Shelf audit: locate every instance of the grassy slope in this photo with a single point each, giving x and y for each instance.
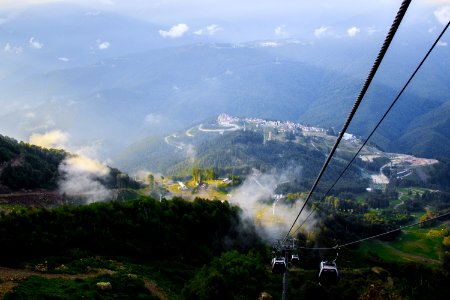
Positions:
(421, 245)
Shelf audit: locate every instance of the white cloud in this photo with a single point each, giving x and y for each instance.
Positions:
(52, 139)
(432, 29)
(103, 45)
(35, 44)
(281, 30)
(12, 49)
(209, 30)
(442, 44)
(442, 14)
(80, 173)
(80, 178)
(83, 164)
(175, 32)
(319, 32)
(352, 31)
(252, 196)
(64, 59)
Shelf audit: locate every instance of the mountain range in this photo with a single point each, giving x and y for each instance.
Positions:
(121, 95)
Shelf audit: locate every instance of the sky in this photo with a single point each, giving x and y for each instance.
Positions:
(280, 18)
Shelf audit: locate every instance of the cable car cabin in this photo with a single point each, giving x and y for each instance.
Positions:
(295, 259)
(278, 265)
(328, 272)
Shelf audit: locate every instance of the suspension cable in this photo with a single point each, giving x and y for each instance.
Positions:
(379, 123)
(395, 25)
(376, 235)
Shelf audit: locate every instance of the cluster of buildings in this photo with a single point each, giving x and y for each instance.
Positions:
(225, 120)
(283, 126)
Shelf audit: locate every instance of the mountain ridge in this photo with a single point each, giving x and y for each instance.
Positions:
(164, 90)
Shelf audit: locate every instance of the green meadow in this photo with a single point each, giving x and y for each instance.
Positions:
(421, 245)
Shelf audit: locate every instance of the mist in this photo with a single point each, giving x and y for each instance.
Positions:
(80, 171)
(259, 203)
(80, 179)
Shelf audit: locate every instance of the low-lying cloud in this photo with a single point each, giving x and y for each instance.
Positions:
(53, 139)
(256, 196)
(80, 179)
(80, 174)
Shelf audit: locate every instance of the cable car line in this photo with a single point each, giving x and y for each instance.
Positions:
(379, 122)
(389, 37)
(376, 235)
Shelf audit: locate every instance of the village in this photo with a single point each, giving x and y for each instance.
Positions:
(283, 126)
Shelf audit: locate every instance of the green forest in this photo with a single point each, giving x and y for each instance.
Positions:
(202, 250)
(138, 247)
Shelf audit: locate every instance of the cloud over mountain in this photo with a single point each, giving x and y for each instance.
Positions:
(175, 31)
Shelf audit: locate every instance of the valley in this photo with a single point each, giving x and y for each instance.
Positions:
(254, 174)
(185, 150)
(187, 145)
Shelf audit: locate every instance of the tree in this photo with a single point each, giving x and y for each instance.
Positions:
(197, 174)
(446, 242)
(209, 174)
(428, 215)
(151, 182)
(122, 180)
(231, 276)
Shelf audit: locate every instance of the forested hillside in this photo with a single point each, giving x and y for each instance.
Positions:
(428, 135)
(163, 90)
(24, 166)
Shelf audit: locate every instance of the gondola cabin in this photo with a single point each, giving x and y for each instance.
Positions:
(295, 259)
(328, 272)
(278, 265)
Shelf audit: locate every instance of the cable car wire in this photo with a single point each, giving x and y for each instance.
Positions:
(379, 122)
(376, 235)
(389, 37)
